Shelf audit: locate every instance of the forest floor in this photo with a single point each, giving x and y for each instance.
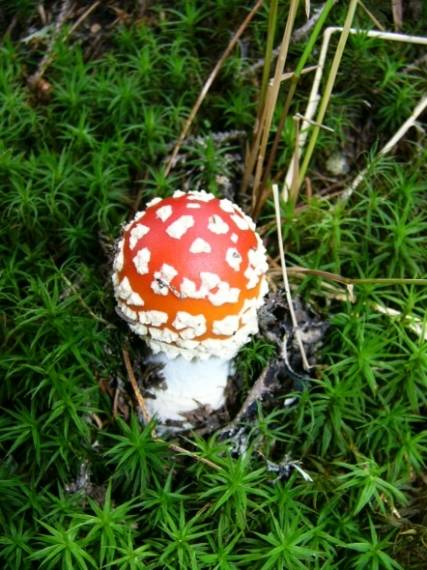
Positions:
(93, 98)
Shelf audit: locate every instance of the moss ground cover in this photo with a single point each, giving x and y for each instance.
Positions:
(83, 483)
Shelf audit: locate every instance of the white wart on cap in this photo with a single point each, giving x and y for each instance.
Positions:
(189, 275)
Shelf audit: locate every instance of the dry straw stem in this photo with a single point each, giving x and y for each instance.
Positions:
(262, 192)
(49, 56)
(298, 35)
(417, 325)
(285, 278)
(271, 100)
(139, 397)
(314, 97)
(147, 418)
(207, 85)
(410, 122)
(328, 90)
(250, 156)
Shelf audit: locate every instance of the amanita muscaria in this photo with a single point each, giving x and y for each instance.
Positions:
(189, 276)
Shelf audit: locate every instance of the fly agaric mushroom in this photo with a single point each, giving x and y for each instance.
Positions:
(189, 276)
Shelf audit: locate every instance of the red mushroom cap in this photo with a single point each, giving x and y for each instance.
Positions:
(189, 275)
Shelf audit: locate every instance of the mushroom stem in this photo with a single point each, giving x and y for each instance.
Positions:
(189, 385)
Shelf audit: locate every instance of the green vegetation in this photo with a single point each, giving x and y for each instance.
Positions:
(83, 483)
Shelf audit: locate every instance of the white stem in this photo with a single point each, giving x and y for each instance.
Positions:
(188, 386)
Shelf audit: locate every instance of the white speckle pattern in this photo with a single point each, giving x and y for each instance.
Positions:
(124, 290)
(227, 206)
(127, 311)
(155, 318)
(141, 261)
(167, 273)
(212, 288)
(209, 280)
(138, 329)
(240, 222)
(199, 245)
(180, 226)
(226, 326)
(164, 213)
(161, 283)
(119, 259)
(188, 289)
(257, 265)
(252, 277)
(250, 222)
(137, 233)
(201, 195)
(217, 225)
(153, 202)
(224, 294)
(178, 194)
(159, 287)
(191, 326)
(233, 258)
(248, 312)
(155, 326)
(163, 335)
(135, 299)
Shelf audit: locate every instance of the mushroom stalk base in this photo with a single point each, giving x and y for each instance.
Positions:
(188, 385)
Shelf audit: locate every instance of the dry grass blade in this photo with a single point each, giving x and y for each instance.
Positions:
(305, 363)
(397, 11)
(137, 392)
(208, 83)
(410, 122)
(314, 97)
(271, 100)
(264, 190)
(35, 79)
(328, 89)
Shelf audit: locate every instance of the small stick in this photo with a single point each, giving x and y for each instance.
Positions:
(208, 84)
(147, 418)
(47, 59)
(83, 17)
(314, 97)
(410, 122)
(297, 35)
(305, 363)
(371, 16)
(83, 302)
(271, 100)
(296, 270)
(291, 74)
(139, 397)
(49, 55)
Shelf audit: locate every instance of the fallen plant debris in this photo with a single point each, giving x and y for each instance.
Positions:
(318, 464)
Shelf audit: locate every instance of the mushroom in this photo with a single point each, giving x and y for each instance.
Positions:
(189, 276)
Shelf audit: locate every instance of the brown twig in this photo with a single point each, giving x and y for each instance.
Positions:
(47, 59)
(297, 35)
(208, 84)
(132, 379)
(294, 319)
(296, 270)
(82, 18)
